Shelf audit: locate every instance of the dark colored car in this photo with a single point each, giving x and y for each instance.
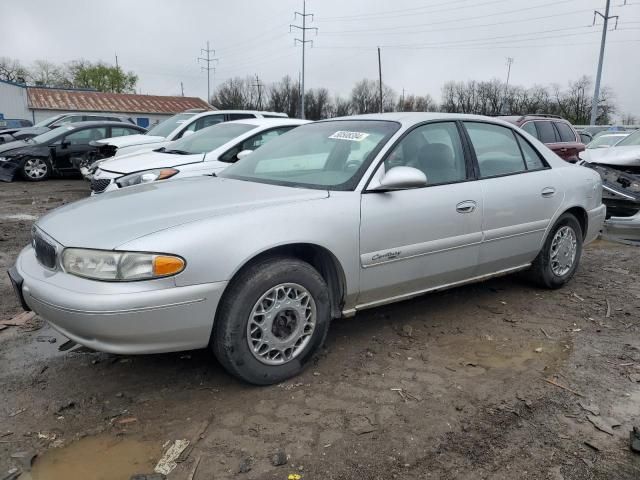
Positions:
(21, 133)
(554, 131)
(56, 151)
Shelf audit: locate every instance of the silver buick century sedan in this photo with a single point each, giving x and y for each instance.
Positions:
(326, 220)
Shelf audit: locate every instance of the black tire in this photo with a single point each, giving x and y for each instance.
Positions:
(229, 337)
(541, 271)
(29, 175)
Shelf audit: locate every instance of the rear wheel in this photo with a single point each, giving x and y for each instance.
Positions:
(273, 318)
(558, 260)
(36, 169)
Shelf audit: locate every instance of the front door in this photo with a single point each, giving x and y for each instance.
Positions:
(76, 145)
(418, 239)
(520, 193)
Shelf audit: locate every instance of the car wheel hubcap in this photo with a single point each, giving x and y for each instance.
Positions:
(563, 251)
(281, 324)
(35, 168)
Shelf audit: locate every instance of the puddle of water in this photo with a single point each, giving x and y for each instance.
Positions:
(102, 457)
(498, 354)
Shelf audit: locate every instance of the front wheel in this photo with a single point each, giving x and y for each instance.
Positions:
(273, 318)
(558, 260)
(36, 169)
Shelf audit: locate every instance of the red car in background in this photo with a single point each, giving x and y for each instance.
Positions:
(554, 131)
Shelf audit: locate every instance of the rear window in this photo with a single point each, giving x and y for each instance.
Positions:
(546, 132)
(566, 133)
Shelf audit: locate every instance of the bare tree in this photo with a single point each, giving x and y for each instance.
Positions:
(629, 119)
(43, 72)
(284, 96)
(12, 70)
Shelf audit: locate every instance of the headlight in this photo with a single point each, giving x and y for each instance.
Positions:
(110, 265)
(147, 176)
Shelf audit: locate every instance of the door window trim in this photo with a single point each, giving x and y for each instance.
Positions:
(469, 168)
(517, 136)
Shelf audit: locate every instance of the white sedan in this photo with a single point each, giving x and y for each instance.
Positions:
(203, 153)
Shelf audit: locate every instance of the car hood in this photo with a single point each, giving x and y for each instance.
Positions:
(138, 161)
(625, 156)
(128, 140)
(112, 219)
(8, 147)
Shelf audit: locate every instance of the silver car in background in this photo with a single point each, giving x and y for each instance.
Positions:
(332, 218)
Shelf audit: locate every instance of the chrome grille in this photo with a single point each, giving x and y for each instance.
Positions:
(45, 252)
(98, 185)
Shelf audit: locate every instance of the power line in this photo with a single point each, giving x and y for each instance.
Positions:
(208, 51)
(303, 42)
(405, 31)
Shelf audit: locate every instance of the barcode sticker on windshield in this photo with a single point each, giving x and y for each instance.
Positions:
(352, 136)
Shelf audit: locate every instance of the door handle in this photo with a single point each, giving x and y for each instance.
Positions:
(467, 206)
(548, 192)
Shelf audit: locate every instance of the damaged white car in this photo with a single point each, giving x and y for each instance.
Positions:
(619, 168)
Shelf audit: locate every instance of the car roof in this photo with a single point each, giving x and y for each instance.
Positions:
(269, 122)
(260, 112)
(102, 123)
(411, 118)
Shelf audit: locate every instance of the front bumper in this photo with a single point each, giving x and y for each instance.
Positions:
(626, 229)
(595, 220)
(125, 318)
(8, 170)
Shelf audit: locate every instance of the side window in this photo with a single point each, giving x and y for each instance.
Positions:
(240, 116)
(122, 131)
(530, 128)
(253, 143)
(496, 149)
(546, 132)
(90, 118)
(566, 133)
(532, 158)
(190, 128)
(209, 120)
(83, 137)
(258, 140)
(436, 149)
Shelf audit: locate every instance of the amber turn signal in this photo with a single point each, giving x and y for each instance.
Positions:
(164, 265)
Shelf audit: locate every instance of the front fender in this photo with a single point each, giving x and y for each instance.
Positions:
(216, 248)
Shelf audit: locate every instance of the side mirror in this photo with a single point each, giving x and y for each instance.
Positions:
(187, 133)
(400, 178)
(244, 153)
(65, 144)
(585, 137)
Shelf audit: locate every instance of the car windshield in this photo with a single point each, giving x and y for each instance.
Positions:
(631, 140)
(329, 155)
(163, 129)
(208, 139)
(47, 121)
(604, 141)
(51, 134)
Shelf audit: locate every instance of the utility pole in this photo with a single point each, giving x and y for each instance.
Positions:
(208, 60)
(259, 86)
(182, 88)
(380, 78)
(506, 86)
(303, 42)
(402, 100)
(596, 94)
(117, 61)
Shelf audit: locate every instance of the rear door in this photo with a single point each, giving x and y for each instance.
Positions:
(570, 144)
(520, 196)
(549, 135)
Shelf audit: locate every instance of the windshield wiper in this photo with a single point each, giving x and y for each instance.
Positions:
(177, 152)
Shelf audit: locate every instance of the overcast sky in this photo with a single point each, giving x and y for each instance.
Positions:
(424, 42)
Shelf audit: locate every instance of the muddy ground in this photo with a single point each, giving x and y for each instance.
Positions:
(494, 380)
